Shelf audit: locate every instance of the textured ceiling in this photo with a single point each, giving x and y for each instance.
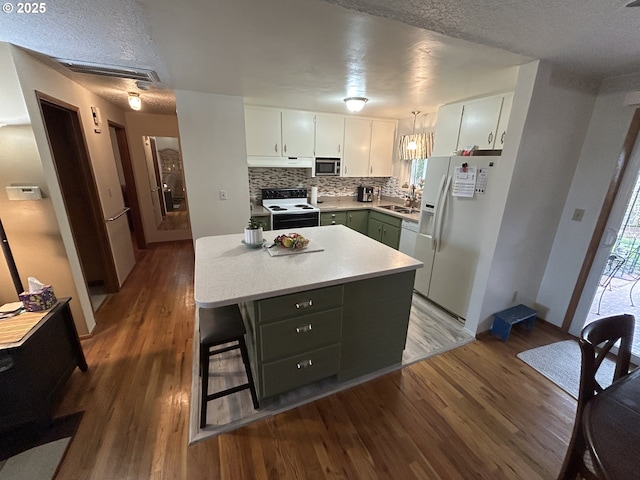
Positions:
(600, 38)
(312, 53)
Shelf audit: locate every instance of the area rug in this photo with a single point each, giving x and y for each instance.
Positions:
(29, 453)
(560, 363)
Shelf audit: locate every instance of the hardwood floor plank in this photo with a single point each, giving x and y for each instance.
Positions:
(476, 412)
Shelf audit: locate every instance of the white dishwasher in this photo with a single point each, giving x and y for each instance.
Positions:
(408, 234)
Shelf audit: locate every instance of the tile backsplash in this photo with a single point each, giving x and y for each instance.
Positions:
(260, 178)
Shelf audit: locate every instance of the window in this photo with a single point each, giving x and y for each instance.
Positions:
(416, 173)
(417, 156)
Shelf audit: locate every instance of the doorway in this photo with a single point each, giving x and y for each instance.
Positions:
(166, 175)
(607, 282)
(618, 290)
(127, 182)
(80, 195)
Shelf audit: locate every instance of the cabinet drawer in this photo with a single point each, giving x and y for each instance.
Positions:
(333, 218)
(302, 303)
(300, 370)
(382, 217)
(300, 334)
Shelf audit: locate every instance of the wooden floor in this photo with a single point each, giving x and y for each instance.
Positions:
(474, 412)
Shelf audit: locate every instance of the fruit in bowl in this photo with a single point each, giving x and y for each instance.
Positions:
(293, 241)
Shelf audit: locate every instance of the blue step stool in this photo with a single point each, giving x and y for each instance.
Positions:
(504, 320)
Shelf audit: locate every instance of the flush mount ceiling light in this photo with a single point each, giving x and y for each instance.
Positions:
(355, 104)
(135, 102)
(412, 145)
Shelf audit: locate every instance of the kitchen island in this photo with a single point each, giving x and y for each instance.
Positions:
(343, 310)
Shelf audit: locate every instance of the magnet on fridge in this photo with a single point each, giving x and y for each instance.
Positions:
(464, 167)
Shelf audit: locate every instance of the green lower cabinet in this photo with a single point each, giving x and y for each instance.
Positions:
(300, 370)
(391, 236)
(346, 331)
(385, 229)
(294, 339)
(355, 219)
(358, 220)
(375, 322)
(333, 218)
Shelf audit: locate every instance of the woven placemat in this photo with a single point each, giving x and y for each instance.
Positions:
(14, 329)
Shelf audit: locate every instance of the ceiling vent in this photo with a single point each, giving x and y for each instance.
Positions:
(110, 70)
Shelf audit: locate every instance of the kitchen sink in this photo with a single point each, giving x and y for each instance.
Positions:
(399, 208)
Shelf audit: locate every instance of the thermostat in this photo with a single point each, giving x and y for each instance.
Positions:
(24, 193)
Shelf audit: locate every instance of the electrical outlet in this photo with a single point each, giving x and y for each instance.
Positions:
(223, 194)
(578, 214)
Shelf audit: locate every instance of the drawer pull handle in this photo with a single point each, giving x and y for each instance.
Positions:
(305, 364)
(303, 329)
(306, 304)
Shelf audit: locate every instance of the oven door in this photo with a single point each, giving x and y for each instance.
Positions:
(295, 220)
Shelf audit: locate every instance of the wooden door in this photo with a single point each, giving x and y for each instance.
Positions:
(80, 195)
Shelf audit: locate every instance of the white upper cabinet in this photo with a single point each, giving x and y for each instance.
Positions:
(262, 130)
(504, 122)
(357, 145)
(276, 133)
(368, 147)
(445, 137)
(298, 132)
(329, 135)
(480, 123)
(291, 138)
(383, 135)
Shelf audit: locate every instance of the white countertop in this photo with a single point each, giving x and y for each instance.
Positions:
(333, 204)
(228, 272)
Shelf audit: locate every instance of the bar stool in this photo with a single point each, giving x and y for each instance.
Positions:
(217, 327)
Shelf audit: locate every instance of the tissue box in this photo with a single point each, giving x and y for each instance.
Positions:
(38, 300)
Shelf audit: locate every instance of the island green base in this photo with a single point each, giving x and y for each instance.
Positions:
(376, 318)
(347, 330)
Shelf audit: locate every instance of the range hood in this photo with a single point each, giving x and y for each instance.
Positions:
(279, 162)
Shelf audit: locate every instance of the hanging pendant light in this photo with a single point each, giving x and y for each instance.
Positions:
(412, 144)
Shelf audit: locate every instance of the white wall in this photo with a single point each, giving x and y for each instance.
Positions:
(548, 123)
(215, 158)
(35, 76)
(608, 127)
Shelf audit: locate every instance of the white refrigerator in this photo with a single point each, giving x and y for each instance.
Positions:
(451, 227)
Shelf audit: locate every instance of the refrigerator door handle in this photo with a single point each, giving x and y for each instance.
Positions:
(442, 206)
(434, 236)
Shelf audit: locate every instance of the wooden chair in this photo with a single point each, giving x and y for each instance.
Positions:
(219, 326)
(578, 462)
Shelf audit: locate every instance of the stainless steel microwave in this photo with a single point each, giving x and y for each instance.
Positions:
(327, 167)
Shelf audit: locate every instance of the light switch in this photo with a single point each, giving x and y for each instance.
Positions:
(578, 213)
(223, 194)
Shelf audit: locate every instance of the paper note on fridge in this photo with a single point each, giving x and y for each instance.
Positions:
(464, 182)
